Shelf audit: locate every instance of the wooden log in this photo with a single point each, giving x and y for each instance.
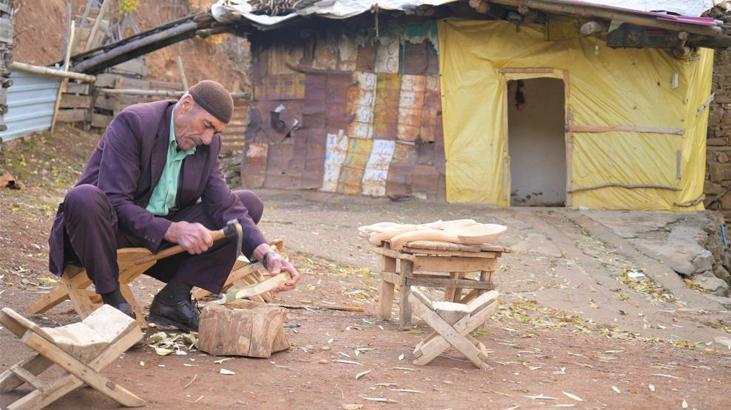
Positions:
(52, 72)
(242, 328)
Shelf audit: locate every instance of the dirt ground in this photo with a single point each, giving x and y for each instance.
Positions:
(570, 330)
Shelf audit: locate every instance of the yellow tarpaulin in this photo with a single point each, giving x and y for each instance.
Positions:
(638, 116)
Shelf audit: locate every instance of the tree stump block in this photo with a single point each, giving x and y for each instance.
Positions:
(242, 328)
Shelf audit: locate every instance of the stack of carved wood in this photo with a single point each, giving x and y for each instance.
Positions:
(460, 231)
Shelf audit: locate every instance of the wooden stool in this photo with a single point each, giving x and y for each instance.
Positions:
(435, 265)
(82, 349)
(452, 324)
(75, 286)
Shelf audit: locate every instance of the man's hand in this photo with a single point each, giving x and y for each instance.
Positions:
(275, 264)
(193, 237)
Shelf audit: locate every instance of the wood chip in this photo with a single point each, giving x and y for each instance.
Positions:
(669, 376)
(379, 399)
(572, 396)
(685, 404)
(406, 369)
(401, 357)
(363, 373)
(407, 390)
(221, 360)
(540, 397)
(347, 362)
(616, 389)
(352, 406)
(195, 376)
(226, 372)
(651, 387)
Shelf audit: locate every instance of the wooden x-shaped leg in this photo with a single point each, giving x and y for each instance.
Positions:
(80, 373)
(456, 334)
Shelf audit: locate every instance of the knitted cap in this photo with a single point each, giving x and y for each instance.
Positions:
(214, 98)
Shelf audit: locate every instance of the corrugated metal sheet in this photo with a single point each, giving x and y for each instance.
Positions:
(376, 170)
(361, 101)
(353, 168)
(411, 105)
(30, 104)
(336, 150)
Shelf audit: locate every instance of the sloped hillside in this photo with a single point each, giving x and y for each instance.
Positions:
(40, 29)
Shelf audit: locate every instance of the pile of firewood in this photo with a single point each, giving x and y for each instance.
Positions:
(279, 7)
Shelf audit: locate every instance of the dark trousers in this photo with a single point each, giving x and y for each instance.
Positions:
(92, 237)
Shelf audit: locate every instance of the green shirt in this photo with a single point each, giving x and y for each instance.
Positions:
(163, 196)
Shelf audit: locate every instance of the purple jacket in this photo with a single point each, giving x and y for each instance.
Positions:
(127, 164)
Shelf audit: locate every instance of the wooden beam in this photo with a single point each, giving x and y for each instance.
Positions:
(626, 186)
(626, 128)
(52, 72)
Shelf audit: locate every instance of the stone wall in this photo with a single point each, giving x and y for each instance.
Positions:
(718, 175)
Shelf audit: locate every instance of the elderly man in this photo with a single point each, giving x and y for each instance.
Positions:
(154, 181)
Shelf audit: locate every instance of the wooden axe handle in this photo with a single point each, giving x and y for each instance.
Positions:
(174, 250)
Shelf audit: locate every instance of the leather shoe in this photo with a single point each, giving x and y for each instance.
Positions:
(181, 314)
(126, 309)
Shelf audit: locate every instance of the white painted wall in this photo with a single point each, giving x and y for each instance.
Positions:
(536, 143)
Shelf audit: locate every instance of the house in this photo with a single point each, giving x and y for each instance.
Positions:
(504, 102)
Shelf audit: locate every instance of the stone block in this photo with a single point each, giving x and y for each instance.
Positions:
(711, 284)
(703, 261)
(720, 172)
(710, 188)
(717, 141)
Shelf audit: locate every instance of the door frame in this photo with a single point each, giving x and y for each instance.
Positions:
(527, 73)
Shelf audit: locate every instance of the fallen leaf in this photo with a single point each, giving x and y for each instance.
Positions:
(226, 372)
(352, 406)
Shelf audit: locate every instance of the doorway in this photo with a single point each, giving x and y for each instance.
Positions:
(536, 143)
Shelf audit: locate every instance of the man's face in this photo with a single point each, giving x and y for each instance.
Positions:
(193, 125)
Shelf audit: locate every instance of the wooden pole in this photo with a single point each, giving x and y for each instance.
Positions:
(103, 9)
(582, 10)
(50, 71)
(182, 73)
(157, 93)
(65, 81)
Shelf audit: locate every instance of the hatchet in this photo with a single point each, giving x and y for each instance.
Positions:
(230, 231)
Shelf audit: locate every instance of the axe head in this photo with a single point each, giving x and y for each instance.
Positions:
(233, 230)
